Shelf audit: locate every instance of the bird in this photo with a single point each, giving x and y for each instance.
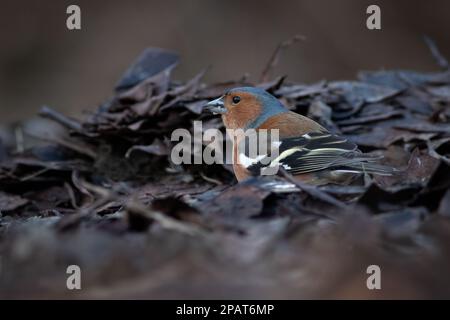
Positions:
(305, 149)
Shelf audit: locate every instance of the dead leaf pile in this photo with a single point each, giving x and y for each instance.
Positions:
(107, 197)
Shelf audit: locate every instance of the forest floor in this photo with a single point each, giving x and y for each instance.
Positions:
(105, 196)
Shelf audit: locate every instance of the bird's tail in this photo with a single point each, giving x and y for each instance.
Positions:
(366, 163)
(373, 168)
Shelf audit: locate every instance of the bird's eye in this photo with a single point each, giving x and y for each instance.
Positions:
(236, 99)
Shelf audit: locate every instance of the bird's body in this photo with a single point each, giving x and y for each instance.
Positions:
(287, 124)
(304, 148)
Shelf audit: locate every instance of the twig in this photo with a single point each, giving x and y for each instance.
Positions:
(164, 220)
(211, 180)
(136, 207)
(80, 148)
(34, 174)
(312, 191)
(69, 221)
(72, 195)
(106, 196)
(78, 183)
(440, 60)
(273, 61)
(49, 113)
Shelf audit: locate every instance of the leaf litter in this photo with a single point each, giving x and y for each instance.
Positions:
(107, 197)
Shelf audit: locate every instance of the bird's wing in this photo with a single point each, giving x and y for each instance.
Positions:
(311, 152)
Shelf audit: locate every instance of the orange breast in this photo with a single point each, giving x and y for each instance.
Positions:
(239, 170)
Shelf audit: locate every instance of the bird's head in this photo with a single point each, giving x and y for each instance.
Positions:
(245, 107)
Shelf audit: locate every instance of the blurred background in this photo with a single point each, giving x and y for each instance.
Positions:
(43, 63)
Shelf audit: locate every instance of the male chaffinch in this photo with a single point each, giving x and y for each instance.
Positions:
(305, 148)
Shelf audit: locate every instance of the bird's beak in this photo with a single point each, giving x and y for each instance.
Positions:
(216, 106)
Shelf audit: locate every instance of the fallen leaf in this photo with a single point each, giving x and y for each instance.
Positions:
(10, 202)
(151, 62)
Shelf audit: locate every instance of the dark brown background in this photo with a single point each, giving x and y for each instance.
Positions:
(41, 62)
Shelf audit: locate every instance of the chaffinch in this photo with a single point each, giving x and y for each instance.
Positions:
(305, 149)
